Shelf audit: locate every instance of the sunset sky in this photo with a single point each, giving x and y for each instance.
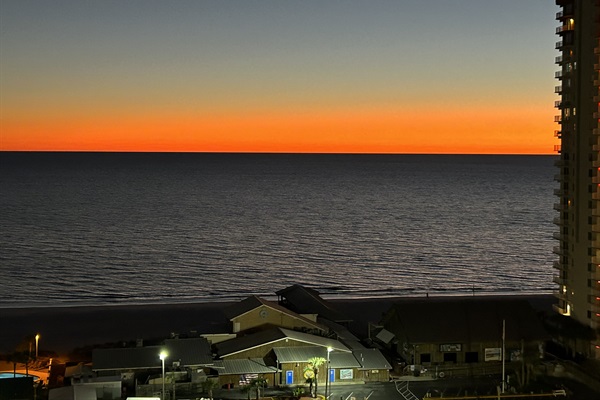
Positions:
(370, 76)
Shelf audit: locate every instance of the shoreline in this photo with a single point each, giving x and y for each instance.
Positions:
(66, 328)
(327, 296)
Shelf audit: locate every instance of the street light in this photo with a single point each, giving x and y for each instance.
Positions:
(37, 339)
(163, 355)
(329, 350)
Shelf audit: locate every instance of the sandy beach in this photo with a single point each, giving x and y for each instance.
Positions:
(63, 329)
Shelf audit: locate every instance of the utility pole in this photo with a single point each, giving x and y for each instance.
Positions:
(503, 354)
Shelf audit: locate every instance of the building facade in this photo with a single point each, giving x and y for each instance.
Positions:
(578, 251)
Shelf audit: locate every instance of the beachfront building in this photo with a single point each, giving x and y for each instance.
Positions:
(464, 336)
(256, 313)
(288, 352)
(578, 250)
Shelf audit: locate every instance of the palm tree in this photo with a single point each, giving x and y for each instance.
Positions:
(208, 385)
(258, 383)
(314, 363)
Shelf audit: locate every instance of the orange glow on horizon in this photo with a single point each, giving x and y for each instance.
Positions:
(468, 130)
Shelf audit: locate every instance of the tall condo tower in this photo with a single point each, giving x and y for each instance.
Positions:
(578, 264)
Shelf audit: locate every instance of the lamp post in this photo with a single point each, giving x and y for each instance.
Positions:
(37, 339)
(163, 355)
(329, 350)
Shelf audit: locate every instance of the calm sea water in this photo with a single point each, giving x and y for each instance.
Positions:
(139, 228)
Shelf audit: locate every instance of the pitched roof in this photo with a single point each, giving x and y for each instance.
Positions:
(472, 319)
(337, 359)
(308, 301)
(243, 366)
(253, 302)
(371, 359)
(273, 336)
(188, 352)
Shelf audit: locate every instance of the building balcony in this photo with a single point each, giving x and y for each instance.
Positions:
(558, 59)
(559, 192)
(559, 15)
(559, 236)
(557, 265)
(595, 227)
(559, 44)
(560, 207)
(558, 74)
(558, 280)
(596, 179)
(558, 104)
(564, 28)
(557, 118)
(596, 195)
(556, 221)
(557, 177)
(557, 149)
(596, 131)
(559, 310)
(559, 89)
(595, 260)
(558, 250)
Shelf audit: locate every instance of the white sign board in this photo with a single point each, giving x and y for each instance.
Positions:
(493, 354)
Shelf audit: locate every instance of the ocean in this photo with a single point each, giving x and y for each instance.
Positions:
(141, 228)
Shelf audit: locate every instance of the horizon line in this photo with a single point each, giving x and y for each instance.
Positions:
(271, 152)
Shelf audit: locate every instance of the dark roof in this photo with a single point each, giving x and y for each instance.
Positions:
(474, 319)
(254, 302)
(308, 301)
(188, 352)
(273, 336)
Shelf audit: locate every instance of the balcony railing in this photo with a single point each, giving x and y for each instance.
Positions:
(564, 28)
(558, 89)
(557, 118)
(557, 265)
(559, 15)
(559, 44)
(559, 207)
(558, 59)
(558, 280)
(558, 250)
(557, 149)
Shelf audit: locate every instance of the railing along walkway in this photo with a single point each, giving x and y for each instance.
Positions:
(402, 388)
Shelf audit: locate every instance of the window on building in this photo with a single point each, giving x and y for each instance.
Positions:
(450, 357)
(425, 358)
(471, 357)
